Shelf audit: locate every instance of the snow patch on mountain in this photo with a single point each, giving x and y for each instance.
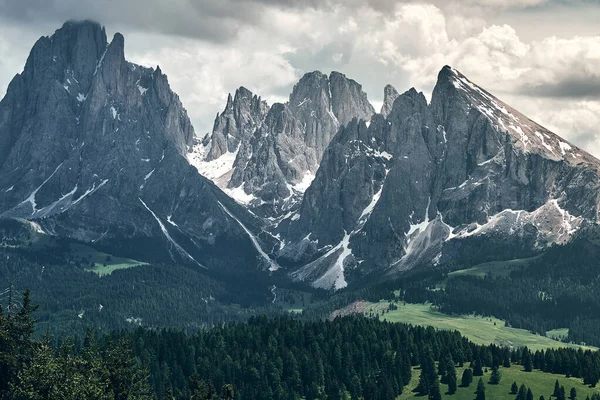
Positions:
(527, 134)
(304, 183)
(336, 272)
(217, 170)
(165, 232)
(31, 198)
(554, 224)
(272, 264)
(239, 195)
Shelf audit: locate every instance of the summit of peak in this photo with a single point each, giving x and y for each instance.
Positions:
(80, 24)
(390, 94)
(526, 134)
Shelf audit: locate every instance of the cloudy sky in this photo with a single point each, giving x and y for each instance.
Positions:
(540, 56)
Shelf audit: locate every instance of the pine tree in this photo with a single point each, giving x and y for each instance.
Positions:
(527, 363)
(477, 367)
(442, 366)
(404, 367)
(434, 392)
(496, 376)
(522, 395)
(127, 380)
(428, 373)
(37, 379)
(562, 395)
(480, 390)
(227, 392)
(451, 377)
(556, 389)
(467, 378)
(514, 388)
(16, 347)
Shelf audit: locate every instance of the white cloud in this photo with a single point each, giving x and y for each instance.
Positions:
(555, 80)
(203, 73)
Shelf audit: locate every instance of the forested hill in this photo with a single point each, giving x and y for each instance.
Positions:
(281, 358)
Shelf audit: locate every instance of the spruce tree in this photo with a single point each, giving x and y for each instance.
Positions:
(573, 394)
(227, 392)
(556, 392)
(522, 395)
(477, 367)
(527, 363)
(496, 376)
(428, 373)
(434, 391)
(451, 377)
(514, 388)
(442, 365)
(467, 377)
(529, 394)
(480, 390)
(562, 395)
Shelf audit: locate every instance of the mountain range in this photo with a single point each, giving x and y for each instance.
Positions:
(320, 189)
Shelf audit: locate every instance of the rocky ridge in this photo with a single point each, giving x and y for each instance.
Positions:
(433, 182)
(269, 162)
(94, 148)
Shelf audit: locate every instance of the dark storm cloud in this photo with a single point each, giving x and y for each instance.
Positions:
(569, 87)
(212, 20)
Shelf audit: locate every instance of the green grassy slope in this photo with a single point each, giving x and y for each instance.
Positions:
(478, 329)
(494, 268)
(541, 383)
(104, 264)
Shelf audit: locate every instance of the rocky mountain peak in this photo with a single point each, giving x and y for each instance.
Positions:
(348, 99)
(311, 93)
(465, 177)
(93, 147)
(389, 96)
(526, 135)
(274, 162)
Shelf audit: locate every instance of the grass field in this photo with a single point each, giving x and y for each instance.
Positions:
(292, 300)
(558, 334)
(540, 383)
(478, 329)
(26, 234)
(99, 258)
(494, 268)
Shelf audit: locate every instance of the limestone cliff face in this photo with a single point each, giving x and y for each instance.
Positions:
(430, 183)
(268, 163)
(236, 124)
(390, 94)
(94, 147)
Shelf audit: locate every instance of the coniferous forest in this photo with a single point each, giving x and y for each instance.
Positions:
(353, 357)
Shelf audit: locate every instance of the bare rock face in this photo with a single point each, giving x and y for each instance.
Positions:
(463, 178)
(94, 148)
(389, 96)
(236, 123)
(280, 151)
